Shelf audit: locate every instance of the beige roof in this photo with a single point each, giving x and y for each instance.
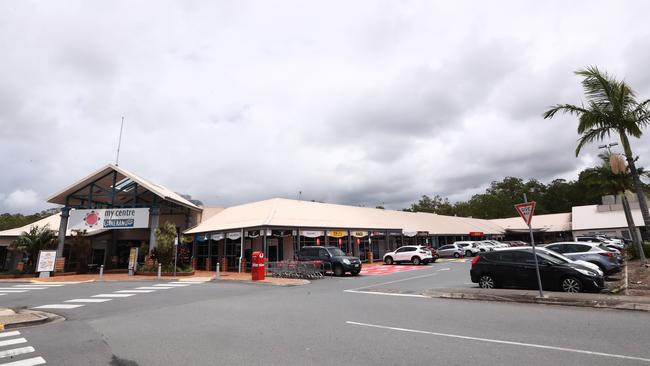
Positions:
(52, 222)
(589, 218)
(209, 211)
(157, 189)
(551, 223)
(292, 213)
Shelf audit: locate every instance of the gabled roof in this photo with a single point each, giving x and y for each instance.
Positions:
(292, 213)
(156, 189)
(548, 223)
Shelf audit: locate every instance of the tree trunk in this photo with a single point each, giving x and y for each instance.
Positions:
(643, 205)
(630, 223)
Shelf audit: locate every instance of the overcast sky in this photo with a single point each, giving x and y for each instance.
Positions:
(356, 102)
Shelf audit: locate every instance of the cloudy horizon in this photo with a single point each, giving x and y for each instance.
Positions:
(364, 103)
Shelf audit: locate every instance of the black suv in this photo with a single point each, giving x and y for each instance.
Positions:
(516, 268)
(333, 258)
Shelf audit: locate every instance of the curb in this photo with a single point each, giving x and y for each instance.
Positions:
(42, 317)
(600, 304)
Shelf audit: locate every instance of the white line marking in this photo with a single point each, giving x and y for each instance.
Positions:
(396, 281)
(52, 284)
(9, 342)
(113, 295)
(9, 334)
(444, 269)
(511, 343)
(58, 306)
(29, 288)
(28, 362)
(172, 285)
(152, 288)
(2, 294)
(88, 300)
(8, 290)
(16, 352)
(383, 293)
(134, 291)
(186, 282)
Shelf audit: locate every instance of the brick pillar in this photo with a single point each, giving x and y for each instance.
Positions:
(224, 264)
(59, 264)
(208, 264)
(194, 263)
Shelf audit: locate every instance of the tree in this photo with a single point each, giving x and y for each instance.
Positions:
(79, 250)
(33, 241)
(164, 250)
(612, 109)
(436, 205)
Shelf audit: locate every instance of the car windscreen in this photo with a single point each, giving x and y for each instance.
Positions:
(558, 256)
(549, 258)
(336, 252)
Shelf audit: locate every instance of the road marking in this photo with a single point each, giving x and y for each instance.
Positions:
(498, 341)
(444, 269)
(9, 334)
(396, 281)
(19, 287)
(9, 290)
(152, 288)
(186, 282)
(134, 291)
(28, 362)
(58, 306)
(88, 300)
(113, 295)
(16, 352)
(9, 342)
(383, 293)
(2, 294)
(54, 284)
(172, 285)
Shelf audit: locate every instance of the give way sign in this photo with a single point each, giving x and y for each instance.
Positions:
(526, 211)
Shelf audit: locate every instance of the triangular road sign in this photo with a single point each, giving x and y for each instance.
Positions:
(526, 210)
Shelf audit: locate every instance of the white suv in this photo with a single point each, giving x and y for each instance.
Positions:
(415, 254)
(471, 248)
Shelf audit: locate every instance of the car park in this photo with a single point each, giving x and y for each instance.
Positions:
(607, 241)
(471, 248)
(516, 268)
(415, 254)
(451, 250)
(595, 253)
(566, 259)
(332, 257)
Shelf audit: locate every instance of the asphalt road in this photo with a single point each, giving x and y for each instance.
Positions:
(226, 323)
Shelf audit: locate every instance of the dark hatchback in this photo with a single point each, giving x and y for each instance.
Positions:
(516, 268)
(333, 259)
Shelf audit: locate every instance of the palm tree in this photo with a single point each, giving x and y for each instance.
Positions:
(612, 109)
(35, 240)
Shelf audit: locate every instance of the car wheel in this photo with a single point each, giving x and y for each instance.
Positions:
(456, 255)
(571, 284)
(388, 260)
(434, 260)
(468, 253)
(355, 273)
(416, 261)
(487, 281)
(338, 271)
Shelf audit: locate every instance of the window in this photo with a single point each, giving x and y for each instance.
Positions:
(405, 249)
(323, 254)
(445, 247)
(557, 248)
(578, 248)
(524, 257)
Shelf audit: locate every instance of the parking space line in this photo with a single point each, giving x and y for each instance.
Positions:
(384, 293)
(498, 341)
(134, 291)
(395, 281)
(113, 295)
(58, 306)
(172, 285)
(88, 300)
(153, 288)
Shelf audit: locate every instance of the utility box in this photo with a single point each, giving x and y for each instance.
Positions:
(258, 269)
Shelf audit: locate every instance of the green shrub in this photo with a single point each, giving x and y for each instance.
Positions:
(165, 268)
(632, 251)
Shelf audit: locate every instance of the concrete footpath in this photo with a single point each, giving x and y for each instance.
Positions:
(10, 319)
(620, 302)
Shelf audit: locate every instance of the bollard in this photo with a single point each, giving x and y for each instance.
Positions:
(218, 275)
(101, 272)
(159, 270)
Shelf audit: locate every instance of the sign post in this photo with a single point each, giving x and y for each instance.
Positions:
(526, 210)
(133, 260)
(176, 254)
(45, 263)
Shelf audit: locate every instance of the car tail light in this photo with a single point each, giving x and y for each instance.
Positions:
(606, 254)
(475, 259)
(423, 252)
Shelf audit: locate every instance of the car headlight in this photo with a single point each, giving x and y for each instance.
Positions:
(346, 261)
(587, 272)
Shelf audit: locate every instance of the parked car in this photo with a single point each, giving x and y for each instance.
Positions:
(595, 253)
(567, 259)
(516, 268)
(609, 242)
(332, 257)
(451, 250)
(470, 247)
(484, 247)
(415, 254)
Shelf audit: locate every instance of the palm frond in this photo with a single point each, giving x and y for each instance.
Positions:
(564, 108)
(592, 135)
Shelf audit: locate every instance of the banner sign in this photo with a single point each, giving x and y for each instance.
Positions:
(133, 258)
(410, 234)
(109, 218)
(422, 233)
(311, 233)
(217, 237)
(337, 233)
(377, 233)
(46, 260)
(359, 234)
(234, 236)
(475, 233)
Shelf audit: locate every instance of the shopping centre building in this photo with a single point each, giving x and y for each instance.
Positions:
(118, 210)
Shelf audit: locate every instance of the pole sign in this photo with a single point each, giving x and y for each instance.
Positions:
(133, 260)
(526, 210)
(46, 261)
(109, 218)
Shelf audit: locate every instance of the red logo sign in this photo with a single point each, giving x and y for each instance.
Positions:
(526, 210)
(92, 218)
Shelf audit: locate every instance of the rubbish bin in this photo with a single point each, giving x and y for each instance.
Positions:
(257, 267)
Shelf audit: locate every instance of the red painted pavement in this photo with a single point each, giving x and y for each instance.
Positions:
(386, 269)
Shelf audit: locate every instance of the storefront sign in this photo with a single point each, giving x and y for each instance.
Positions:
(234, 236)
(109, 218)
(337, 233)
(311, 233)
(410, 234)
(423, 233)
(476, 233)
(377, 233)
(359, 234)
(46, 260)
(217, 237)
